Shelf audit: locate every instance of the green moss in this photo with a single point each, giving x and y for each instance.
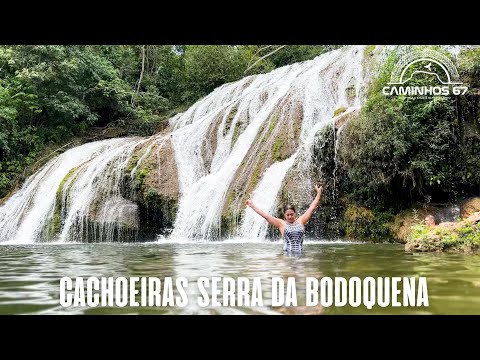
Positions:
(140, 177)
(236, 133)
(369, 50)
(277, 154)
(364, 224)
(62, 183)
(254, 179)
(263, 155)
(154, 202)
(231, 198)
(230, 217)
(229, 222)
(55, 223)
(157, 213)
(151, 199)
(72, 182)
(272, 124)
(230, 118)
(132, 162)
(339, 111)
(143, 173)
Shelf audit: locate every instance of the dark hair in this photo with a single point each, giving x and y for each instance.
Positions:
(289, 207)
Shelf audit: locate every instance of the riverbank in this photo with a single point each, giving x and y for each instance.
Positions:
(461, 236)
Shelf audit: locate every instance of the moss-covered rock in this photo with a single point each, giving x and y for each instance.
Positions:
(461, 236)
(369, 50)
(342, 117)
(278, 154)
(229, 120)
(325, 222)
(339, 111)
(401, 227)
(230, 222)
(153, 186)
(236, 133)
(361, 223)
(54, 224)
(157, 214)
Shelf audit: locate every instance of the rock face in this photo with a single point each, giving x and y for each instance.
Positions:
(276, 141)
(461, 236)
(470, 206)
(115, 220)
(151, 181)
(403, 222)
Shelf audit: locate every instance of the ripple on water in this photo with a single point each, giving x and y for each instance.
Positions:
(29, 275)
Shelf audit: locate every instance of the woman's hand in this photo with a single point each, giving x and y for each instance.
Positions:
(249, 202)
(319, 188)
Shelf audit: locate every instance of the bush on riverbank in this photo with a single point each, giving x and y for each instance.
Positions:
(462, 236)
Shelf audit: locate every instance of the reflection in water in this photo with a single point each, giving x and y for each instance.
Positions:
(29, 275)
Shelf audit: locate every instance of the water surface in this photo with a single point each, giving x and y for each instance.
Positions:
(30, 274)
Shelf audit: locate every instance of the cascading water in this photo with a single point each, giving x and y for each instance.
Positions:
(203, 196)
(26, 216)
(95, 209)
(239, 141)
(321, 86)
(264, 197)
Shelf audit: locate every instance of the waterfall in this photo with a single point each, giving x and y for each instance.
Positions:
(95, 207)
(321, 86)
(240, 141)
(264, 197)
(28, 215)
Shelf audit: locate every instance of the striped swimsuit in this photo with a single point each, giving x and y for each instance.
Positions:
(293, 237)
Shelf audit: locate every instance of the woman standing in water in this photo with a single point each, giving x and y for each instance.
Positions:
(292, 229)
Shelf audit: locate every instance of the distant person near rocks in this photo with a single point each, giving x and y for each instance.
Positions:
(430, 221)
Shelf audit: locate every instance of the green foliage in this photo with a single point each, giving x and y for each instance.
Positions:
(49, 94)
(152, 199)
(209, 66)
(364, 224)
(264, 58)
(52, 93)
(295, 53)
(465, 237)
(401, 149)
(469, 66)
